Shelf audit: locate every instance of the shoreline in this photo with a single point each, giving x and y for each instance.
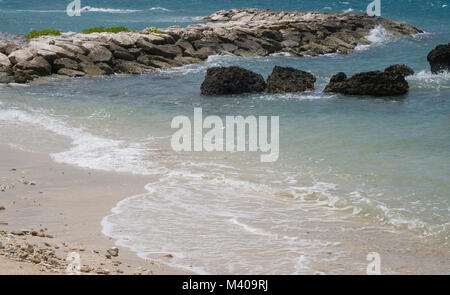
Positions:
(69, 204)
(73, 221)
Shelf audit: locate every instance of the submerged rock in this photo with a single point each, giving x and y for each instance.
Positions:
(285, 80)
(232, 80)
(439, 59)
(374, 83)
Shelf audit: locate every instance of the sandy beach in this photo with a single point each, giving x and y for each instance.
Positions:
(67, 204)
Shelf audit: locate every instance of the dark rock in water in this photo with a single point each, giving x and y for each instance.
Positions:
(439, 59)
(339, 77)
(375, 83)
(286, 80)
(400, 69)
(232, 80)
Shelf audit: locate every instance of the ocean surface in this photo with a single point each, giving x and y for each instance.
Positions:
(348, 166)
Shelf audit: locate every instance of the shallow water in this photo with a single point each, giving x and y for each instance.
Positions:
(349, 167)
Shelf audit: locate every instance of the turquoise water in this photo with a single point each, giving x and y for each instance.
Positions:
(383, 162)
(21, 16)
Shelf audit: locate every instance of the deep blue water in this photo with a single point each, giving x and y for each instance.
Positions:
(21, 16)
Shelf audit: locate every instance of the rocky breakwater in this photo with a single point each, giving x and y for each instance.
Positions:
(249, 32)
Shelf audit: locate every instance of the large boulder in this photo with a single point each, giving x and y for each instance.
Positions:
(131, 67)
(375, 83)
(100, 54)
(37, 65)
(124, 40)
(91, 69)
(231, 80)
(6, 77)
(4, 60)
(7, 46)
(285, 80)
(64, 62)
(167, 50)
(439, 59)
(20, 55)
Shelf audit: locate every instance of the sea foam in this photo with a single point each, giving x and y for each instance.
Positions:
(377, 36)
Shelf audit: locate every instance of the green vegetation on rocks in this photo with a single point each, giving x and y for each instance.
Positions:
(102, 29)
(154, 30)
(35, 34)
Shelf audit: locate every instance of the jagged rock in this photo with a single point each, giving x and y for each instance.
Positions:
(4, 60)
(231, 80)
(374, 83)
(124, 40)
(72, 48)
(131, 67)
(186, 60)
(38, 65)
(49, 56)
(106, 68)
(100, 54)
(123, 54)
(24, 54)
(48, 51)
(202, 53)
(6, 47)
(400, 69)
(228, 48)
(91, 69)
(70, 72)
(155, 61)
(65, 63)
(439, 59)
(152, 38)
(22, 77)
(6, 78)
(285, 80)
(135, 51)
(168, 51)
(185, 45)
